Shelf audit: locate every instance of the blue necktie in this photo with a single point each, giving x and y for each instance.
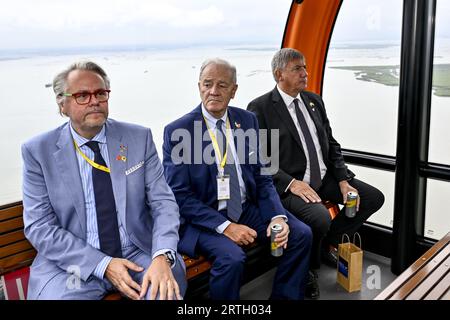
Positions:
(108, 227)
(315, 179)
(234, 205)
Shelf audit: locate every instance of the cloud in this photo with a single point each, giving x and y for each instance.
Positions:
(200, 18)
(56, 15)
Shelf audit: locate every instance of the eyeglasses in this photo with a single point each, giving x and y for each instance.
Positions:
(101, 95)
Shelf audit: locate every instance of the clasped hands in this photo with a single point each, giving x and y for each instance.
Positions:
(159, 275)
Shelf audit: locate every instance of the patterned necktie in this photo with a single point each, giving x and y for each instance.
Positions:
(234, 205)
(315, 179)
(108, 227)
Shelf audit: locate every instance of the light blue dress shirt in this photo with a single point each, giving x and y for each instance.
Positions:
(89, 200)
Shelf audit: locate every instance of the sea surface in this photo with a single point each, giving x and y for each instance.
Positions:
(153, 87)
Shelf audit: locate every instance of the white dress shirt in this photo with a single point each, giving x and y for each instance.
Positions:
(211, 122)
(289, 102)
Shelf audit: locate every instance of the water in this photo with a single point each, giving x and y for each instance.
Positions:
(154, 87)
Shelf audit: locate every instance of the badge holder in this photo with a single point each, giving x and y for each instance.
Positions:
(223, 187)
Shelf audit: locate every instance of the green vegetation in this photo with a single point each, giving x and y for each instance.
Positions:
(441, 80)
(389, 76)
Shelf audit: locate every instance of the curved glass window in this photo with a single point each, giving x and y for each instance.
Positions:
(385, 182)
(440, 100)
(437, 222)
(362, 75)
(152, 51)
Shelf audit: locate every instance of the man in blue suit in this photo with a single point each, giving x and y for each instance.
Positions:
(97, 207)
(225, 201)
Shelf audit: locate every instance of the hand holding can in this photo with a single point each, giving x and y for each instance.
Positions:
(275, 250)
(350, 205)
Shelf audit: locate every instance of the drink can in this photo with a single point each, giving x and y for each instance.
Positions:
(274, 249)
(350, 206)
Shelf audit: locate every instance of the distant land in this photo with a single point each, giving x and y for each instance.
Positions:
(389, 76)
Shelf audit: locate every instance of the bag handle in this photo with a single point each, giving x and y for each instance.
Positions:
(359, 236)
(345, 236)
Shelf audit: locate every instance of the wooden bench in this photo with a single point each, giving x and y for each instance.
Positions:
(17, 254)
(427, 279)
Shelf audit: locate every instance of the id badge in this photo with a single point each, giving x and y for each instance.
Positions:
(223, 187)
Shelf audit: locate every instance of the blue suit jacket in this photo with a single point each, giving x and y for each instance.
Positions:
(195, 186)
(54, 210)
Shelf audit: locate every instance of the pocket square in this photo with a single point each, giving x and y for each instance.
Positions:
(134, 168)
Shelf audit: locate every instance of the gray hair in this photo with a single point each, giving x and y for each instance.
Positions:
(220, 62)
(282, 57)
(60, 80)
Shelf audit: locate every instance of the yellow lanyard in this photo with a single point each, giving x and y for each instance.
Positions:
(216, 144)
(92, 163)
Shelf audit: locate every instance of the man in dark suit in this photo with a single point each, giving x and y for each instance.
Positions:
(311, 167)
(225, 199)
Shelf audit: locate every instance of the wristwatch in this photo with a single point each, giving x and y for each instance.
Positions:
(169, 257)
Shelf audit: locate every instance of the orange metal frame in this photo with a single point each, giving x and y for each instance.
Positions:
(308, 29)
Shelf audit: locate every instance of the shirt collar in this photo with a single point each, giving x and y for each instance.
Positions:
(99, 137)
(287, 98)
(210, 119)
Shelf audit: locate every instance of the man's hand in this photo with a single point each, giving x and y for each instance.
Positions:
(117, 274)
(346, 188)
(161, 278)
(304, 191)
(281, 238)
(240, 234)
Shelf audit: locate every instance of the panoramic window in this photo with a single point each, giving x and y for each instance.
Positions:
(437, 223)
(362, 75)
(384, 181)
(152, 51)
(440, 100)
(361, 85)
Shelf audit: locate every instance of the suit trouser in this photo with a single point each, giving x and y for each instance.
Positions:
(316, 215)
(95, 289)
(228, 258)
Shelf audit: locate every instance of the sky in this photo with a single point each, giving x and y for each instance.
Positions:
(62, 23)
(172, 23)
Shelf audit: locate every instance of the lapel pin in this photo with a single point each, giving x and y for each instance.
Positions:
(121, 158)
(237, 125)
(312, 105)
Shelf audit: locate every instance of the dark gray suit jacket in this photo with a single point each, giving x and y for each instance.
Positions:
(272, 113)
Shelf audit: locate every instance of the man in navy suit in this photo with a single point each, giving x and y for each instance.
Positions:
(226, 201)
(96, 205)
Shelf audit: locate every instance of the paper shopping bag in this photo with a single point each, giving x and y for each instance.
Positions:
(349, 269)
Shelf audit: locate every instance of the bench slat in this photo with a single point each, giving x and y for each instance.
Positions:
(197, 269)
(113, 296)
(190, 262)
(15, 248)
(12, 224)
(12, 212)
(16, 261)
(431, 280)
(439, 291)
(446, 296)
(412, 270)
(11, 237)
(420, 275)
